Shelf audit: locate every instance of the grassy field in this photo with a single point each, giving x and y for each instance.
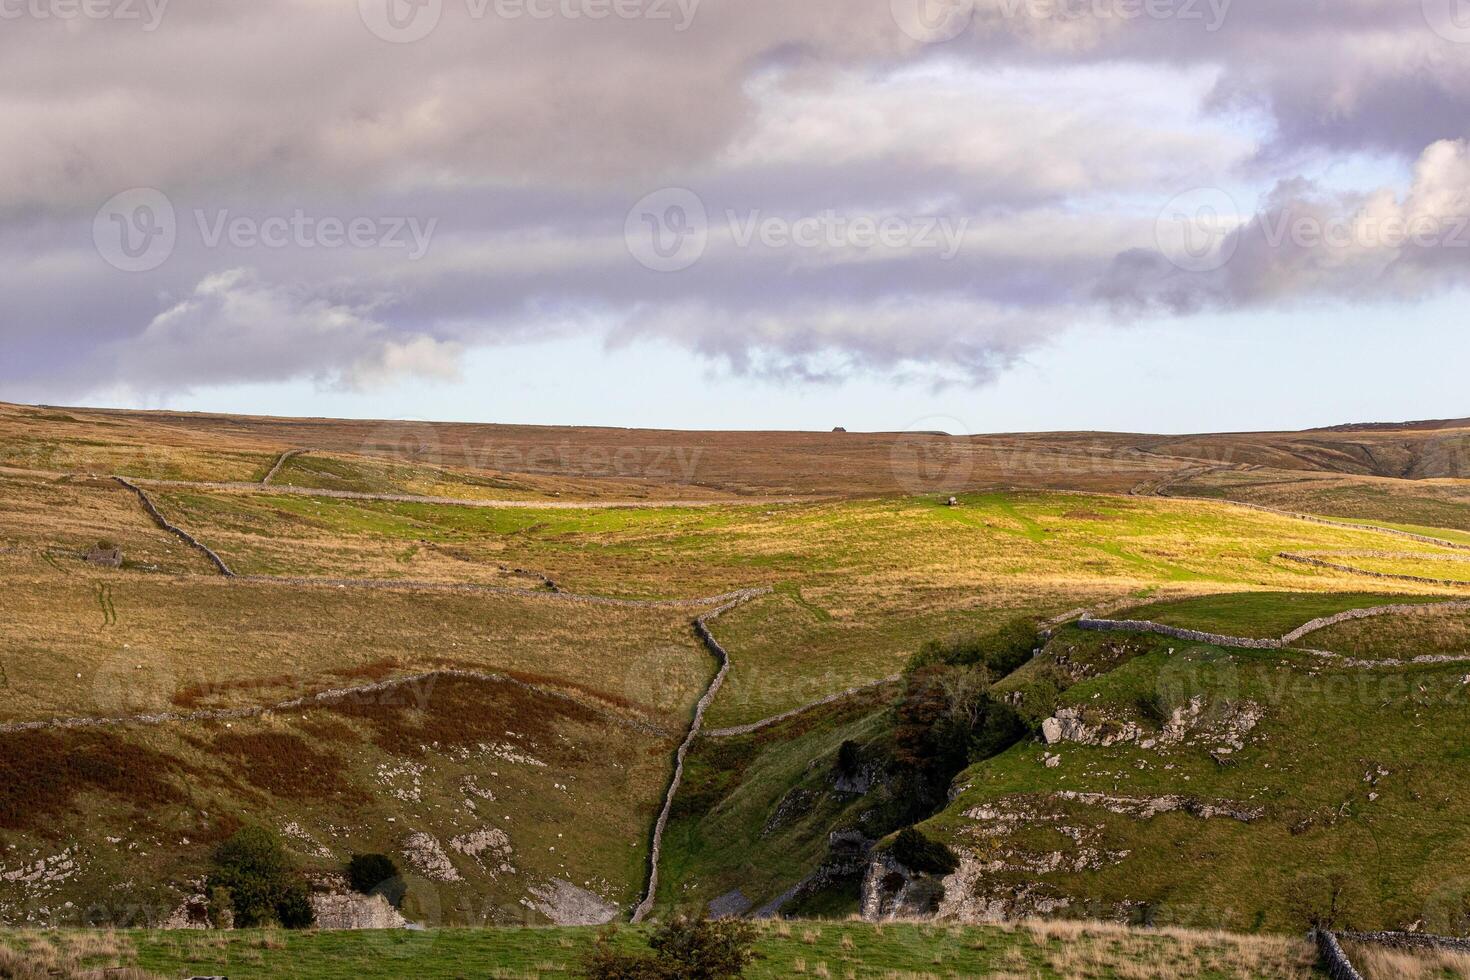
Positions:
(1262, 614)
(1377, 963)
(824, 949)
(110, 644)
(503, 797)
(855, 581)
(1348, 770)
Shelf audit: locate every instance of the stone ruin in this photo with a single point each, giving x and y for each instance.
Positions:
(105, 554)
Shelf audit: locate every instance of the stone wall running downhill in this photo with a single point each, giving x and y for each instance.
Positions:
(178, 532)
(1339, 967)
(1329, 522)
(701, 628)
(1252, 643)
(281, 461)
(1390, 576)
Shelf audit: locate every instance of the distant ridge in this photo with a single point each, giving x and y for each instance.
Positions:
(1424, 426)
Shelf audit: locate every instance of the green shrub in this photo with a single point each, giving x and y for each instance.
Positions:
(255, 879)
(918, 853)
(849, 758)
(376, 874)
(999, 651)
(683, 948)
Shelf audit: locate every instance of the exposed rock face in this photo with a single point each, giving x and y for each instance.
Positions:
(349, 910)
(966, 898)
(892, 891)
(797, 803)
(1147, 807)
(425, 853)
(1224, 726)
(567, 905)
(192, 913)
(1069, 726)
(1002, 877)
(491, 847)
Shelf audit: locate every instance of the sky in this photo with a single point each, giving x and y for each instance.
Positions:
(974, 215)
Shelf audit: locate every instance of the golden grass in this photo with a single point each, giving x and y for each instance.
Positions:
(1426, 633)
(1376, 962)
(202, 642)
(72, 955)
(1080, 949)
(52, 523)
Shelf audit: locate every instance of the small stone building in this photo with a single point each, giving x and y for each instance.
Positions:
(108, 556)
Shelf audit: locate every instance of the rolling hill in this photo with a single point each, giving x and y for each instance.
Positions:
(1132, 678)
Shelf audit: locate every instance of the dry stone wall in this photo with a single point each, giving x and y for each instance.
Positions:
(701, 628)
(1351, 569)
(178, 532)
(1333, 958)
(1190, 636)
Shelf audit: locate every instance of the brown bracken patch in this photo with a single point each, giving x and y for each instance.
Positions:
(460, 711)
(285, 765)
(41, 772)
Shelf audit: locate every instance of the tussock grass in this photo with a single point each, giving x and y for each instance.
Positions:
(37, 955)
(895, 950)
(1376, 962)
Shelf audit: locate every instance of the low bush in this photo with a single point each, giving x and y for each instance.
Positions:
(918, 853)
(999, 651)
(376, 874)
(256, 883)
(683, 948)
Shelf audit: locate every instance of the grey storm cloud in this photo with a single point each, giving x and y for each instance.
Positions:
(830, 146)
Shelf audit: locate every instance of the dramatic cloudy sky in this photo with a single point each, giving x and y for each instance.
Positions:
(1148, 214)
